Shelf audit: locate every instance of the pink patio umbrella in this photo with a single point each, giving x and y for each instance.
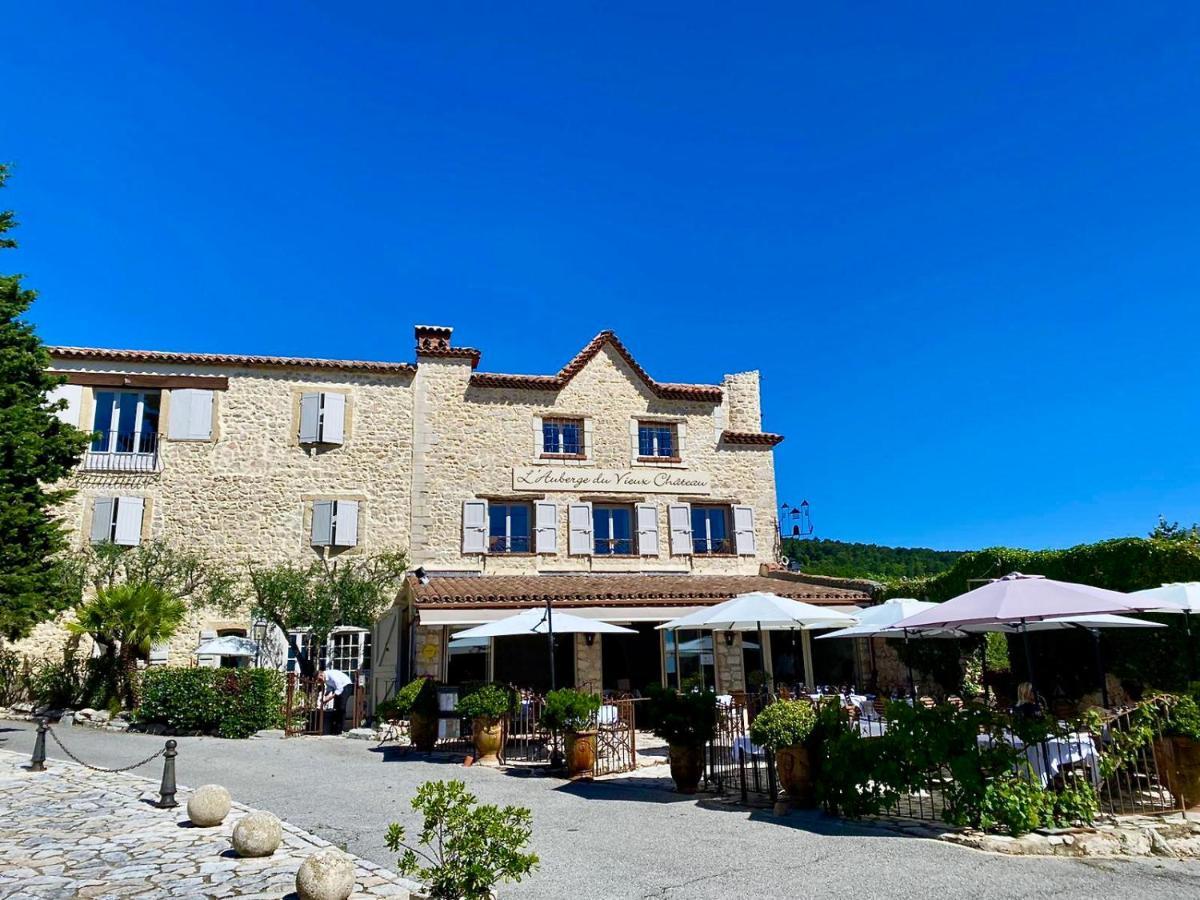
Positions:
(1018, 600)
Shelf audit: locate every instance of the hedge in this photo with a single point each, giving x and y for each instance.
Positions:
(231, 703)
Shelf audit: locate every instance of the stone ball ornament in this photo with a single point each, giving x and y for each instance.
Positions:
(257, 834)
(208, 806)
(326, 875)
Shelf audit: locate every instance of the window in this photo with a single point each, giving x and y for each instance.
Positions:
(710, 530)
(117, 520)
(508, 528)
(322, 418)
(349, 651)
(335, 523)
(562, 437)
(612, 527)
(657, 440)
(125, 422)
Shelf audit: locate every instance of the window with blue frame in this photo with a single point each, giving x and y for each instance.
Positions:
(710, 530)
(509, 527)
(562, 437)
(125, 422)
(612, 529)
(657, 440)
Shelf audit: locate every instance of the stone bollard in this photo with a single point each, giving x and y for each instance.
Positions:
(209, 805)
(326, 875)
(37, 762)
(166, 791)
(257, 834)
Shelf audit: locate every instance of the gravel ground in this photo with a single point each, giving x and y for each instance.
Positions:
(630, 837)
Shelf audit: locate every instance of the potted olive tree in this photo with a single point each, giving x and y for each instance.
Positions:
(570, 713)
(486, 707)
(418, 701)
(783, 728)
(686, 722)
(1179, 750)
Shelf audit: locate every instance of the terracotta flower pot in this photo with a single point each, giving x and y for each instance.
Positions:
(687, 765)
(423, 731)
(1179, 765)
(795, 775)
(581, 753)
(488, 734)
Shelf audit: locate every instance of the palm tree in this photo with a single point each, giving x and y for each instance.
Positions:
(126, 620)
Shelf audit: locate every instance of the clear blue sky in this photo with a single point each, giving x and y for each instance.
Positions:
(961, 245)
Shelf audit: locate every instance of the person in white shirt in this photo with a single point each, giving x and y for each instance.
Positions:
(335, 684)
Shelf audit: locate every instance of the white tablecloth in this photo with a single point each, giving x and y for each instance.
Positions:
(1051, 756)
(743, 748)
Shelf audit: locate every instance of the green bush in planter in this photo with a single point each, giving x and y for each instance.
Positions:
(684, 720)
(491, 701)
(785, 723)
(418, 696)
(567, 710)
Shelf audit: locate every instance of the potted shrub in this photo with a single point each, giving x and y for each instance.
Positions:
(418, 700)
(686, 722)
(782, 728)
(486, 707)
(570, 713)
(1179, 751)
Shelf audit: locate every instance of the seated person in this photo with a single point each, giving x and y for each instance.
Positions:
(1027, 703)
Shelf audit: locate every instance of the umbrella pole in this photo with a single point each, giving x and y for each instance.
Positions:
(1187, 628)
(550, 640)
(1028, 659)
(912, 688)
(983, 672)
(762, 661)
(678, 672)
(874, 666)
(1099, 666)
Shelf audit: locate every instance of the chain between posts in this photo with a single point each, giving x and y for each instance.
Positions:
(64, 749)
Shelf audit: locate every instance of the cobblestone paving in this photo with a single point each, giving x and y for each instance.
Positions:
(70, 832)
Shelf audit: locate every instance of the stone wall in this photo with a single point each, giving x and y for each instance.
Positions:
(589, 664)
(731, 667)
(472, 437)
(429, 650)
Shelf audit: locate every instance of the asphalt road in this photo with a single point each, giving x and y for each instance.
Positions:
(622, 839)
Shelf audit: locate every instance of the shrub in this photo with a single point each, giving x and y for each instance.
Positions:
(11, 687)
(1183, 719)
(688, 720)
(785, 723)
(567, 710)
(56, 683)
(1014, 804)
(470, 848)
(491, 701)
(233, 703)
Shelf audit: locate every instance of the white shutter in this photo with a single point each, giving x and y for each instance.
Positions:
(546, 527)
(128, 532)
(333, 418)
(647, 529)
(191, 415)
(539, 438)
(475, 526)
(345, 533)
(743, 530)
(680, 438)
(634, 448)
(208, 662)
(322, 523)
(73, 394)
(579, 523)
(679, 516)
(158, 654)
(102, 519)
(310, 418)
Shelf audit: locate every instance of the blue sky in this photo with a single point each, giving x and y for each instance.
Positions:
(960, 244)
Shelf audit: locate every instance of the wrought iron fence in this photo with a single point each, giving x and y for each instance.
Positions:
(305, 712)
(525, 740)
(616, 737)
(732, 762)
(122, 451)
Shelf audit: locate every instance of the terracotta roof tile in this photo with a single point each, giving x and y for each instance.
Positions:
(614, 590)
(666, 390)
(764, 438)
(226, 359)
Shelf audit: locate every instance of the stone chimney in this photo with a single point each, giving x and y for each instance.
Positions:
(435, 338)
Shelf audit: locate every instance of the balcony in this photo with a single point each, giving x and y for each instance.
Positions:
(124, 452)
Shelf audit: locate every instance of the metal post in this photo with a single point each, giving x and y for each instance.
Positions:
(167, 790)
(550, 638)
(38, 762)
(1095, 632)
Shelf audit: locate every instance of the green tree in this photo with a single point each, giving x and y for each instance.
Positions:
(37, 451)
(351, 591)
(126, 620)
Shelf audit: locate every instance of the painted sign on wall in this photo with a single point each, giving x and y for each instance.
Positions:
(626, 481)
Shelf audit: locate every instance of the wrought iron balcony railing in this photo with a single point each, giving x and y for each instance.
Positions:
(122, 451)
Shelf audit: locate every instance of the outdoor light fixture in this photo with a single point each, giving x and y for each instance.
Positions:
(422, 575)
(729, 639)
(590, 638)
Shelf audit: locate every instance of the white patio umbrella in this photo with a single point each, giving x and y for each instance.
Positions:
(878, 621)
(759, 611)
(541, 621)
(1177, 597)
(229, 645)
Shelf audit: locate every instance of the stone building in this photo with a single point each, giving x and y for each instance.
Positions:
(596, 488)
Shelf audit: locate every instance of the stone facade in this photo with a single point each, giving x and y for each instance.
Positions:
(419, 441)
